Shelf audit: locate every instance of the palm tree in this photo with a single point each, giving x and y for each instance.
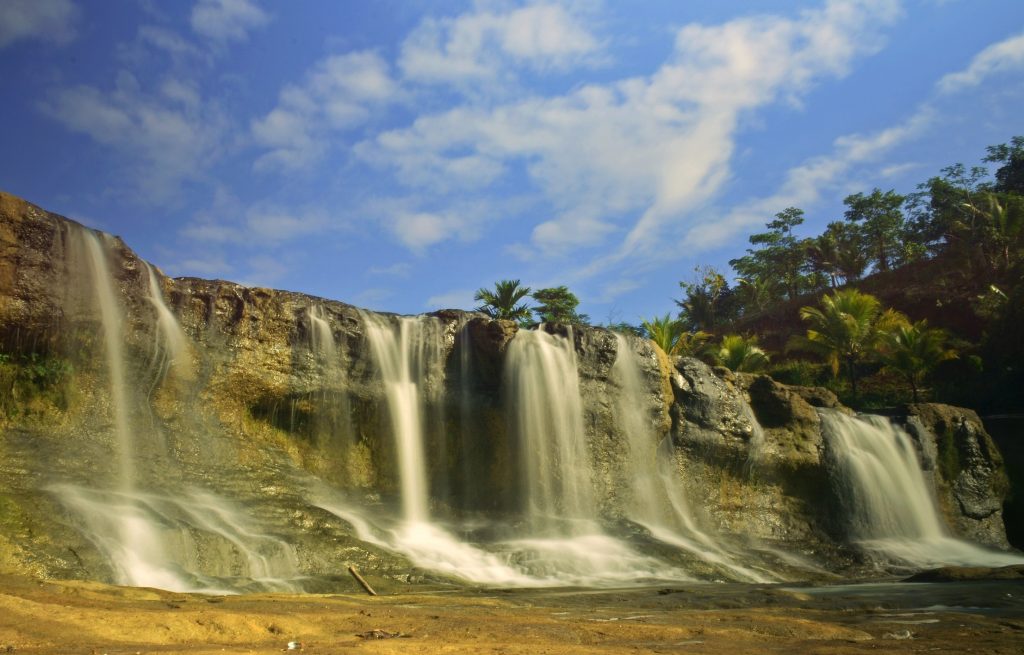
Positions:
(914, 350)
(740, 354)
(664, 331)
(673, 338)
(501, 303)
(845, 329)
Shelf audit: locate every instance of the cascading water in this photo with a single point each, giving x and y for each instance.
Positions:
(170, 343)
(565, 540)
(410, 354)
(190, 540)
(150, 539)
(321, 336)
(658, 501)
(112, 319)
(404, 352)
(891, 510)
(546, 415)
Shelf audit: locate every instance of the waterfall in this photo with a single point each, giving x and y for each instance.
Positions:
(189, 541)
(546, 416)
(891, 509)
(153, 540)
(169, 345)
(322, 338)
(407, 352)
(112, 318)
(658, 501)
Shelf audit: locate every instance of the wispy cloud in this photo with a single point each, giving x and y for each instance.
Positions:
(258, 226)
(456, 299)
(46, 20)
(628, 158)
(481, 44)
(167, 135)
(997, 58)
(338, 93)
(227, 20)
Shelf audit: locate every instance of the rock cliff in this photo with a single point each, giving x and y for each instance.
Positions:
(259, 436)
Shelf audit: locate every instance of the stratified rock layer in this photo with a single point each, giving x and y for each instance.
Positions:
(251, 412)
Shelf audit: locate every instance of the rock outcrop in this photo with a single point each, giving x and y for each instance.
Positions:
(247, 408)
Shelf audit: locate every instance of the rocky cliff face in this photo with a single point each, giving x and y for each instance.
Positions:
(252, 434)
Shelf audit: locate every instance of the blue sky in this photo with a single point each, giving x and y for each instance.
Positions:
(398, 155)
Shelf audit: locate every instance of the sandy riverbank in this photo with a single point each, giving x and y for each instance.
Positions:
(85, 618)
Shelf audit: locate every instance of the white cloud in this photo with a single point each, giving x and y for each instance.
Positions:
(997, 58)
(634, 156)
(226, 222)
(338, 93)
(167, 138)
(479, 44)
(227, 20)
(47, 20)
(401, 269)
(213, 266)
(456, 299)
(804, 184)
(417, 231)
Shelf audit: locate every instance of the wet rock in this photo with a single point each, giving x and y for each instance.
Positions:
(967, 468)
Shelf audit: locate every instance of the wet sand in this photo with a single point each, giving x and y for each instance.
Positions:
(86, 618)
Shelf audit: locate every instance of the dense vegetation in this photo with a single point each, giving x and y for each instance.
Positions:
(906, 298)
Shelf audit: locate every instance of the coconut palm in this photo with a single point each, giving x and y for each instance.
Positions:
(913, 351)
(740, 354)
(502, 302)
(845, 329)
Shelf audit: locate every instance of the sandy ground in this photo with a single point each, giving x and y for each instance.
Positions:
(90, 618)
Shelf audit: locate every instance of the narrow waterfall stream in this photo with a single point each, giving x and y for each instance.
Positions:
(546, 415)
(170, 344)
(405, 352)
(658, 500)
(891, 510)
(112, 319)
(409, 354)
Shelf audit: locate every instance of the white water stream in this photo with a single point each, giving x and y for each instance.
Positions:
(892, 509)
(546, 416)
(183, 542)
(658, 500)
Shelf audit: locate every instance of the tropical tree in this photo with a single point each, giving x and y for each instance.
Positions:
(672, 337)
(706, 302)
(780, 256)
(913, 350)
(845, 330)
(558, 305)
(503, 301)
(881, 221)
(1009, 176)
(739, 353)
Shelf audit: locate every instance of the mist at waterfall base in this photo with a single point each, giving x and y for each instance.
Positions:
(553, 531)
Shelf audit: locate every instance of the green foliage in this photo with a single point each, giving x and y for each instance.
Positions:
(673, 338)
(740, 354)
(26, 379)
(880, 220)
(503, 301)
(627, 328)
(558, 305)
(913, 350)
(1009, 176)
(798, 372)
(780, 259)
(844, 330)
(706, 302)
